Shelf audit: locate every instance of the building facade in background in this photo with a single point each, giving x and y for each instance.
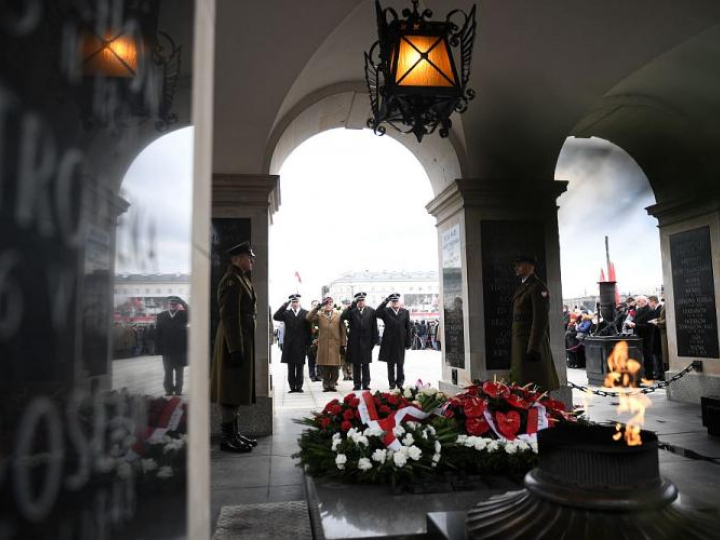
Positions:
(420, 290)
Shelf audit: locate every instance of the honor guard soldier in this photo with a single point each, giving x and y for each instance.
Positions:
(362, 338)
(296, 340)
(233, 369)
(397, 338)
(531, 357)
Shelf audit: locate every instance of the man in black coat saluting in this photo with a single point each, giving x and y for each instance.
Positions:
(295, 341)
(362, 338)
(397, 338)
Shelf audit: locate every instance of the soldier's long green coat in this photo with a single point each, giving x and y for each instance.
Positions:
(530, 331)
(235, 333)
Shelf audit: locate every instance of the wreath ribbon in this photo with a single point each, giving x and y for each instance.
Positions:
(369, 416)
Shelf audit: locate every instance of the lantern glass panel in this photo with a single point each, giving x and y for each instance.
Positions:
(414, 69)
(117, 56)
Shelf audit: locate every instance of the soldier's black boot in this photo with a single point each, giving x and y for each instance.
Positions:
(230, 442)
(250, 441)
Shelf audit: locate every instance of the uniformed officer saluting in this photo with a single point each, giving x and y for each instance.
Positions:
(397, 338)
(531, 357)
(362, 338)
(233, 369)
(296, 340)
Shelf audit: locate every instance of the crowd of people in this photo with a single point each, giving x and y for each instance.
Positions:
(641, 316)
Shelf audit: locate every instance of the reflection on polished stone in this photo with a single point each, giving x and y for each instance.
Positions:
(355, 511)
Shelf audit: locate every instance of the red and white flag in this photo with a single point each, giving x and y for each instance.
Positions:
(297, 276)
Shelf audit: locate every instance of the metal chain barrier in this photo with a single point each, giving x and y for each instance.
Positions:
(694, 366)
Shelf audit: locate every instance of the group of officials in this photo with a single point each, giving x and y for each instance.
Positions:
(233, 377)
(352, 333)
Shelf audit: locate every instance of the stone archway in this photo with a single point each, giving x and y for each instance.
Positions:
(347, 106)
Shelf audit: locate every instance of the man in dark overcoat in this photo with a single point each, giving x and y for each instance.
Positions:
(295, 341)
(171, 343)
(397, 338)
(531, 357)
(233, 369)
(362, 338)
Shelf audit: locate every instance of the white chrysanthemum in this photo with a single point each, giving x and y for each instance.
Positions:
(461, 439)
(414, 453)
(362, 440)
(436, 458)
(389, 455)
(399, 431)
(492, 446)
(438, 447)
(165, 472)
(480, 444)
(337, 437)
(511, 448)
(431, 430)
(430, 391)
(424, 434)
(340, 461)
(148, 465)
(409, 440)
(400, 459)
(105, 464)
(534, 447)
(364, 464)
(373, 432)
(379, 455)
(407, 393)
(124, 470)
(351, 433)
(396, 391)
(470, 441)
(412, 425)
(523, 446)
(335, 444)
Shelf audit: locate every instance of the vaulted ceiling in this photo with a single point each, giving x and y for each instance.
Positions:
(618, 69)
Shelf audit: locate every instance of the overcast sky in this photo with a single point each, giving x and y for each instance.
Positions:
(350, 201)
(354, 201)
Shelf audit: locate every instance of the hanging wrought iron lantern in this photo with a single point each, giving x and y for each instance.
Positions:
(411, 70)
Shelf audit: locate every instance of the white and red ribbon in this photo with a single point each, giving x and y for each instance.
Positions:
(369, 416)
(169, 420)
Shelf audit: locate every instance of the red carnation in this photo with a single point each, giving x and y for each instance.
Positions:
(357, 414)
(377, 401)
(385, 409)
(345, 425)
(393, 399)
(354, 403)
(348, 398)
(476, 426)
(330, 405)
(449, 413)
(325, 422)
(348, 414)
(474, 407)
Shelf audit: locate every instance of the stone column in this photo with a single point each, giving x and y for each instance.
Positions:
(482, 224)
(690, 246)
(242, 209)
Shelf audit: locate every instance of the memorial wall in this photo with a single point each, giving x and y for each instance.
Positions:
(91, 447)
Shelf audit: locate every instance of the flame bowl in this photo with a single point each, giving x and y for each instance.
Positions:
(587, 485)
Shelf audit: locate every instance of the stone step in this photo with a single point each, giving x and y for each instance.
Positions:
(267, 521)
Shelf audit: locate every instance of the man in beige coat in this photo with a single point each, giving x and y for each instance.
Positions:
(332, 339)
